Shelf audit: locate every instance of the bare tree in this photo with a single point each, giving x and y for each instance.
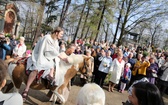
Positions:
(85, 21)
(80, 19)
(118, 22)
(41, 9)
(101, 18)
(64, 12)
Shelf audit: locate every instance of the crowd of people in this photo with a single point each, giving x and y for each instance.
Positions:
(127, 64)
(123, 64)
(11, 47)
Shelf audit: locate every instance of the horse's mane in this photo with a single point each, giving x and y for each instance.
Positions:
(75, 59)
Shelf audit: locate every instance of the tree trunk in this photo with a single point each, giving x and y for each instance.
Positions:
(153, 34)
(31, 26)
(87, 32)
(62, 13)
(24, 29)
(107, 32)
(100, 21)
(42, 7)
(124, 23)
(118, 23)
(62, 18)
(87, 14)
(76, 33)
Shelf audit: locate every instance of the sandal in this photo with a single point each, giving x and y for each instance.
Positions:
(24, 95)
(49, 78)
(109, 90)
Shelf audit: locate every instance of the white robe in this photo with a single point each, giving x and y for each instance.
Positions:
(43, 54)
(116, 70)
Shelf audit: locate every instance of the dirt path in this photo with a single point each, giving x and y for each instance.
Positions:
(37, 97)
(112, 98)
(40, 98)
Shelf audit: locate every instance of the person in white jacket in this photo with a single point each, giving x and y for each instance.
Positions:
(20, 48)
(104, 67)
(116, 71)
(163, 79)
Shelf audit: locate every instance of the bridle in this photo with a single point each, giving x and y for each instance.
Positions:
(87, 70)
(85, 67)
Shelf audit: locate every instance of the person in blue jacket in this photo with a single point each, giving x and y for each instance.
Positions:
(3, 46)
(125, 77)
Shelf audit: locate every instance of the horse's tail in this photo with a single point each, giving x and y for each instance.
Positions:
(11, 67)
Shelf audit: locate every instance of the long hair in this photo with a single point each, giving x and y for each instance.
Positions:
(57, 29)
(147, 94)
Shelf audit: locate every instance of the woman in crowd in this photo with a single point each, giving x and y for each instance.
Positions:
(163, 80)
(135, 68)
(145, 93)
(161, 60)
(20, 48)
(116, 70)
(104, 67)
(140, 67)
(152, 70)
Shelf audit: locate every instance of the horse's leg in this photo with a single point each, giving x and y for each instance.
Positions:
(63, 90)
(17, 83)
(68, 76)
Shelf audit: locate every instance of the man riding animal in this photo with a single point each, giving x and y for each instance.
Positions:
(42, 57)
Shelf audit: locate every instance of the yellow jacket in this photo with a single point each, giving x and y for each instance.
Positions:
(140, 67)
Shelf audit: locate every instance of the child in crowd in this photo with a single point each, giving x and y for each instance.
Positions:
(125, 77)
(28, 53)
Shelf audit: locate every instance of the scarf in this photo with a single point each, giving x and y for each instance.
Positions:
(125, 72)
(119, 60)
(19, 45)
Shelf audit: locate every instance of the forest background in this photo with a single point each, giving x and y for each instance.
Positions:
(99, 20)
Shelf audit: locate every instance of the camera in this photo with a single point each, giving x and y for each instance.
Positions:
(2, 40)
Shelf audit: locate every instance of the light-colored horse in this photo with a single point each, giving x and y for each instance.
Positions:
(76, 63)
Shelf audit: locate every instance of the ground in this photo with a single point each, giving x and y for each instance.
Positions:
(40, 98)
(37, 97)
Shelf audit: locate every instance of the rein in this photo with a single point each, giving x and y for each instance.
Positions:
(85, 67)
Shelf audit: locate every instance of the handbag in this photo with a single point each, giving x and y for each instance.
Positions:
(154, 75)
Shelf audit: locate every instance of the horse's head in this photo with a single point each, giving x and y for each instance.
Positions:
(86, 67)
